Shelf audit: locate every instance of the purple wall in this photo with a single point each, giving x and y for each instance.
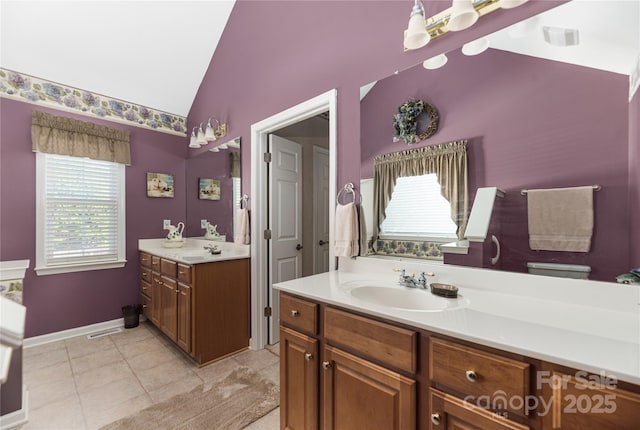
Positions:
(276, 54)
(634, 179)
(59, 302)
(531, 123)
(212, 165)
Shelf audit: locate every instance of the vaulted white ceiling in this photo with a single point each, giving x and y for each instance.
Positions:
(152, 53)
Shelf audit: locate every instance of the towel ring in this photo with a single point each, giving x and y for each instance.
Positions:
(348, 189)
(243, 201)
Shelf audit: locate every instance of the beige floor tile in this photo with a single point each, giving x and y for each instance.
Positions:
(97, 417)
(63, 414)
(256, 359)
(132, 349)
(272, 373)
(163, 374)
(46, 375)
(95, 360)
(45, 394)
(109, 395)
(33, 362)
(41, 349)
(150, 359)
(131, 335)
(271, 421)
(275, 348)
(79, 346)
(87, 381)
(174, 388)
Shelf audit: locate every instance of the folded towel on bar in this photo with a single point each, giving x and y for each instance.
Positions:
(346, 230)
(560, 219)
(242, 228)
(362, 230)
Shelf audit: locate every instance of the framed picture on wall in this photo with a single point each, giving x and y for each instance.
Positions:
(159, 185)
(208, 189)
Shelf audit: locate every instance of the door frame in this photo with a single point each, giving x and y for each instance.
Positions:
(259, 254)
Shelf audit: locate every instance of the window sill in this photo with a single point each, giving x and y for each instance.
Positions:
(55, 270)
(459, 247)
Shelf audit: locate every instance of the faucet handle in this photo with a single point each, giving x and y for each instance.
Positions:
(402, 272)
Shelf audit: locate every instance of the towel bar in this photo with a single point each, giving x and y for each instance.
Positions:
(595, 188)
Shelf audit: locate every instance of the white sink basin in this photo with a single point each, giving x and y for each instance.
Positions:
(407, 299)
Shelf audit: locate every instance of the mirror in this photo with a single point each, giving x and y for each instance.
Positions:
(217, 205)
(533, 119)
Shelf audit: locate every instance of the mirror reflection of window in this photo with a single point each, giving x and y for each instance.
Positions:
(236, 203)
(418, 210)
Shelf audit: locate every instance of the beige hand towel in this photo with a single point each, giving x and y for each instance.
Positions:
(242, 231)
(362, 229)
(346, 231)
(561, 219)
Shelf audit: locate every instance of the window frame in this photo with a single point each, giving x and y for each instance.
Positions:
(41, 267)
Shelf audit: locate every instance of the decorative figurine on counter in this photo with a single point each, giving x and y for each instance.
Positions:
(175, 233)
(212, 232)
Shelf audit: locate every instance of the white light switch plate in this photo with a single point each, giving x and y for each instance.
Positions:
(166, 223)
(203, 223)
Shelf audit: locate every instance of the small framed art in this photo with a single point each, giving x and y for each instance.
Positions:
(159, 185)
(208, 189)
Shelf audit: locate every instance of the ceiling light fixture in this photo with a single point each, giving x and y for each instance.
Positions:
(193, 142)
(435, 62)
(475, 47)
(463, 15)
(200, 139)
(212, 133)
(416, 34)
(510, 4)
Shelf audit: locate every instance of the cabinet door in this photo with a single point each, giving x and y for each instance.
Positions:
(583, 401)
(451, 413)
(169, 307)
(184, 317)
(358, 394)
(298, 381)
(156, 299)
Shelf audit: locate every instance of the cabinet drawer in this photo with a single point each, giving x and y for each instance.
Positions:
(146, 306)
(184, 273)
(169, 267)
(145, 274)
(384, 342)
(145, 259)
(478, 373)
(145, 287)
(449, 412)
(299, 313)
(169, 283)
(155, 263)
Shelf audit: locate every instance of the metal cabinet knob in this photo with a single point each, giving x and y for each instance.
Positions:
(472, 376)
(326, 365)
(294, 313)
(435, 419)
(308, 356)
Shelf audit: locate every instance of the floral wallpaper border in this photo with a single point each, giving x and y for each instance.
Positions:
(409, 248)
(12, 289)
(30, 89)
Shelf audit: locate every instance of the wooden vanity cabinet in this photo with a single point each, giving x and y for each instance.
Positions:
(203, 308)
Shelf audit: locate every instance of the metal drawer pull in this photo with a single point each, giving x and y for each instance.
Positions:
(308, 356)
(435, 419)
(472, 376)
(294, 313)
(326, 365)
(145, 306)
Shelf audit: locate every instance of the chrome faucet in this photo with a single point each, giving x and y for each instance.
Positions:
(410, 281)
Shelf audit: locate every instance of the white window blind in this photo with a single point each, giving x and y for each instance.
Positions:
(418, 210)
(236, 204)
(81, 212)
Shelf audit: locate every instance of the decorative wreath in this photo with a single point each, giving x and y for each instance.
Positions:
(405, 122)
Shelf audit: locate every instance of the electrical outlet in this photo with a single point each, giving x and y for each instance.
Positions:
(203, 223)
(165, 224)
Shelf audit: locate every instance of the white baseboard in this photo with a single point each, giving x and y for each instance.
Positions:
(74, 332)
(18, 417)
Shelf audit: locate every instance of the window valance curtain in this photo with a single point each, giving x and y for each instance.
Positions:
(235, 164)
(448, 161)
(65, 136)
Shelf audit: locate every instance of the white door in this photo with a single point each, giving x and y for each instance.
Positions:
(285, 221)
(320, 210)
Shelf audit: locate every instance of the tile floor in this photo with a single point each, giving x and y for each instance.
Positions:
(84, 384)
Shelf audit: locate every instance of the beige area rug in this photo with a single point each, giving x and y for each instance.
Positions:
(237, 401)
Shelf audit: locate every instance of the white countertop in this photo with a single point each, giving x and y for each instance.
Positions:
(193, 251)
(587, 325)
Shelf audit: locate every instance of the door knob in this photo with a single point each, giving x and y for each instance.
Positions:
(298, 247)
(322, 242)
